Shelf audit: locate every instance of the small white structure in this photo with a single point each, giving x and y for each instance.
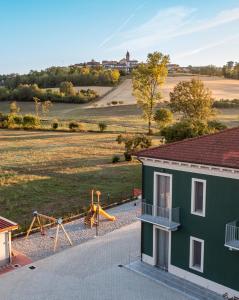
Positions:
(6, 228)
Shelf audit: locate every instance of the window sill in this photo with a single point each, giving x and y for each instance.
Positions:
(196, 269)
(198, 214)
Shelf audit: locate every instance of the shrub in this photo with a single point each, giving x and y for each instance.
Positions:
(15, 121)
(133, 143)
(121, 102)
(127, 156)
(55, 124)
(163, 117)
(218, 126)
(115, 159)
(73, 125)
(114, 102)
(102, 126)
(30, 121)
(185, 129)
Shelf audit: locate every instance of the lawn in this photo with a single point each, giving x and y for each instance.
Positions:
(54, 172)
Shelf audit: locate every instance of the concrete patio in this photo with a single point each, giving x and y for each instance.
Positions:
(88, 271)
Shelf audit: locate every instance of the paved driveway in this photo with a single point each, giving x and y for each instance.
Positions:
(87, 271)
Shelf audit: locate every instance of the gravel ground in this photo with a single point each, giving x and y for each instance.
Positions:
(37, 246)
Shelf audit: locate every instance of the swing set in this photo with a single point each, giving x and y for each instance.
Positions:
(40, 219)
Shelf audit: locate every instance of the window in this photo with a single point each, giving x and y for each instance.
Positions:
(196, 259)
(198, 197)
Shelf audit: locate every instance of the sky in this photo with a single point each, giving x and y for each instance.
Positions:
(36, 34)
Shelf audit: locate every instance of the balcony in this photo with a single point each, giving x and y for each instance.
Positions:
(167, 218)
(232, 236)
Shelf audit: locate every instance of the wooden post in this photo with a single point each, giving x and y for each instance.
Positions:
(56, 238)
(66, 234)
(98, 193)
(92, 198)
(9, 233)
(30, 228)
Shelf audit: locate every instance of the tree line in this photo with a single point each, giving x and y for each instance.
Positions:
(53, 76)
(229, 70)
(65, 94)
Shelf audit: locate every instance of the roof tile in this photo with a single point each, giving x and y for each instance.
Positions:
(218, 149)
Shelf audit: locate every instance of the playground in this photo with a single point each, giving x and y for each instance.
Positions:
(42, 244)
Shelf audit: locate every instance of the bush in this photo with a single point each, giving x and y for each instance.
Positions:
(55, 124)
(102, 126)
(15, 121)
(163, 117)
(186, 129)
(121, 102)
(76, 126)
(218, 126)
(30, 121)
(115, 159)
(127, 156)
(226, 103)
(73, 125)
(133, 143)
(114, 102)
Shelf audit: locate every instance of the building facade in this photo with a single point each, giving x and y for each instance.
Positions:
(190, 210)
(6, 227)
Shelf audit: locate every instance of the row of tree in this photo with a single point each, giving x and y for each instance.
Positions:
(66, 94)
(229, 70)
(52, 77)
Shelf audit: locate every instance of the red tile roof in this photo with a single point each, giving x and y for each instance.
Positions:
(218, 149)
(6, 225)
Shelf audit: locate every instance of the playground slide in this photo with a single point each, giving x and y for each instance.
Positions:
(104, 213)
(107, 216)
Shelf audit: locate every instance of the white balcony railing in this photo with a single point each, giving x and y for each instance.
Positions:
(232, 236)
(164, 217)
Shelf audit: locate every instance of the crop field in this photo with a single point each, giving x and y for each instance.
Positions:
(221, 89)
(54, 172)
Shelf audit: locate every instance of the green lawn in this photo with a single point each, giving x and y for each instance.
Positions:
(54, 172)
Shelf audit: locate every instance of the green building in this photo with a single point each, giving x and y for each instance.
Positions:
(190, 210)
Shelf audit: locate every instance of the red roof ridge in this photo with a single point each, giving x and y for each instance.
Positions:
(187, 140)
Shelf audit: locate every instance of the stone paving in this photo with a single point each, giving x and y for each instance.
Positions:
(38, 246)
(89, 271)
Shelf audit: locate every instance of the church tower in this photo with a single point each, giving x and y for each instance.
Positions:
(127, 56)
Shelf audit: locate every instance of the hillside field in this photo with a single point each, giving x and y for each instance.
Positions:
(221, 89)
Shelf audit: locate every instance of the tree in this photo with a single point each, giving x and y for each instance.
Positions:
(102, 126)
(192, 99)
(14, 108)
(46, 105)
(163, 117)
(37, 102)
(133, 143)
(67, 88)
(188, 128)
(185, 129)
(147, 79)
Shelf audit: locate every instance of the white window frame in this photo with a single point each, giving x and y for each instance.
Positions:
(203, 213)
(191, 266)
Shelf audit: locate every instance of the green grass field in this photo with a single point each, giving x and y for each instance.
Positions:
(54, 172)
